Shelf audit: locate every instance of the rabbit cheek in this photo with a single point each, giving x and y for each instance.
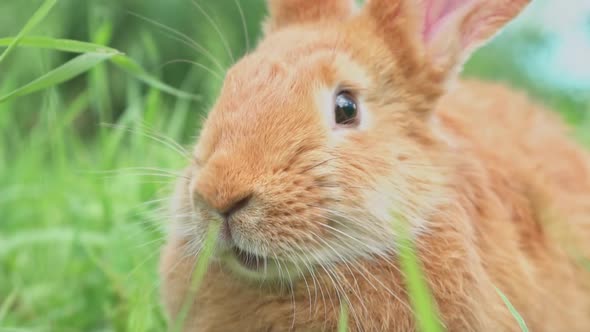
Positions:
(295, 217)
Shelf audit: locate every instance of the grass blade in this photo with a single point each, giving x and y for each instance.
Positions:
(513, 311)
(420, 296)
(48, 238)
(130, 66)
(7, 305)
(123, 62)
(68, 70)
(37, 17)
(65, 45)
(198, 273)
(343, 318)
(418, 292)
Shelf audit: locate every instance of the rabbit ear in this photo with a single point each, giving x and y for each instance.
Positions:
(287, 12)
(441, 33)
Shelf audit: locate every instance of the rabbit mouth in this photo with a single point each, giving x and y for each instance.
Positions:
(259, 268)
(249, 260)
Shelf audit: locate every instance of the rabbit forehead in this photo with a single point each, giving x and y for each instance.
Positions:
(276, 103)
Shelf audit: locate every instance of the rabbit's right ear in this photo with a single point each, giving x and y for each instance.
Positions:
(287, 12)
(439, 35)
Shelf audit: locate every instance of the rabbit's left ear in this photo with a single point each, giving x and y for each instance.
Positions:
(441, 33)
(288, 12)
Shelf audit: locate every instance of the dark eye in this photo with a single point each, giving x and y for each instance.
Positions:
(345, 110)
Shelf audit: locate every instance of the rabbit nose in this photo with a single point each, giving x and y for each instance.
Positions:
(235, 205)
(219, 198)
(223, 188)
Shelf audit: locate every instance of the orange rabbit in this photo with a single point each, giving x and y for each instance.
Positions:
(345, 121)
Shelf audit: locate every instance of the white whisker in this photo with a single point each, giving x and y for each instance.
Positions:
(217, 30)
(179, 36)
(244, 25)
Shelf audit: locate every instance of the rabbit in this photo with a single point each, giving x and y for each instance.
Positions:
(348, 120)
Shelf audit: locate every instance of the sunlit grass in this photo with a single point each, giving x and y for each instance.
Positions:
(78, 248)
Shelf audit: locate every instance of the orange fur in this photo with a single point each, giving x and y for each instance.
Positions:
(287, 12)
(493, 188)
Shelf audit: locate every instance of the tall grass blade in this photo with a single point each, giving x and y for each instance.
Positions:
(199, 273)
(37, 17)
(68, 70)
(7, 305)
(343, 318)
(133, 68)
(513, 311)
(123, 62)
(65, 45)
(420, 296)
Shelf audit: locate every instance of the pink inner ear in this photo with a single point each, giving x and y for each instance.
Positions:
(436, 12)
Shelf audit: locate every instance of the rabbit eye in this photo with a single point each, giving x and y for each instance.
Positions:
(345, 109)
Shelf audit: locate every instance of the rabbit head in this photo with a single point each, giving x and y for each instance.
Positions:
(321, 139)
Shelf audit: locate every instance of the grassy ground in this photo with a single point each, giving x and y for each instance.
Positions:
(80, 224)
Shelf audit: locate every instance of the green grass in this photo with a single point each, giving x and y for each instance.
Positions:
(513, 311)
(198, 274)
(343, 317)
(37, 17)
(78, 242)
(421, 299)
(79, 225)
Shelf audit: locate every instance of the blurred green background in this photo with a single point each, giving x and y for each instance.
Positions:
(85, 166)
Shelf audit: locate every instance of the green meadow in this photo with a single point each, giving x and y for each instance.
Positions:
(92, 136)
